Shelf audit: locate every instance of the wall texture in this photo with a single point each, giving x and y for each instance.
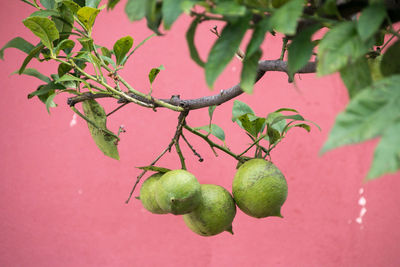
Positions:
(63, 202)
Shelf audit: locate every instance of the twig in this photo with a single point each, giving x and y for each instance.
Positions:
(192, 148)
(115, 110)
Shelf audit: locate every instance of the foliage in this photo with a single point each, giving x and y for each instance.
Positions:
(359, 41)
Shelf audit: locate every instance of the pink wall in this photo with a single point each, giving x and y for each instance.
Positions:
(62, 201)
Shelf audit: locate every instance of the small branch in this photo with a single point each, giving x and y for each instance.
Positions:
(180, 154)
(192, 148)
(211, 143)
(214, 100)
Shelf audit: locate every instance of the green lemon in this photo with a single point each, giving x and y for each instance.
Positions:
(215, 212)
(148, 194)
(259, 188)
(178, 192)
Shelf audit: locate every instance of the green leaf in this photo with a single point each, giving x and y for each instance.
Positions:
(105, 52)
(112, 3)
(390, 63)
(71, 5)
(34, 53)
(43, 28)
(122, 47)
(65, 45)
(370, 20)
(171, 9)
(249, 72)
(356, 76)
(190, 34)
(273, 135)
(301, 49)
(284, 20)
(49, 102)
(104, 141)
(87, 43)
(154, 72)
(18, 43)
(375, 68)
(45, 13)
(136, 9)
(339, 45)
(286, 109)
(65, 20)
(70, 78)
(280, 125)
(80, 2)
(34, 73)
(240, 108)
(213, 129)
(252, 124)
(211, 110)
(87, 15)
(48, 4)
(368, 114)
(154, 15)
(258, 36)
(154, 169)
(93, 3)
(46, 89)
(63, 69)
(387, 153)
(225, 48)
(229, 8)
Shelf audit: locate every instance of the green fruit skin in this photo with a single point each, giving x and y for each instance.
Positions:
(215, 213)
(259, 188)
(178, 192)
(148, 194)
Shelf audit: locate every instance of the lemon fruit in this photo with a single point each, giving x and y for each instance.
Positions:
(148, 194)
(178, 192)
(215, 213)
(259, 188)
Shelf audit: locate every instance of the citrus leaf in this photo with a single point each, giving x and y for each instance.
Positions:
(229, 8)
(154, 15)
(211, 110)
(87, 15)
(240, 108)
(34, 73)
(43, 28)
(338, 46)
(387, 153)
(34, 53)
(225, 48)
(284, 20)
(18, 43)
(49, 102)
(252, 124)
(45, 89)
(136, 9)
(390, 63)
(249, 71)
(93, 3)
(301, 49)
(368, 115)
(112, 3)
(258, 36)
(154, 169)
(48, 4)
(71, 5)
(45, 13)
(213, 129)
(370, 20)
(356, 76)
(190, 41)
(154, 72)
(286, 109)
(104, 141)
(63, 69)
(65, 44)
(122, 47)
(171, 9)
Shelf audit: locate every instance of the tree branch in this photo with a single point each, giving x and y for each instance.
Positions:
(206, 101)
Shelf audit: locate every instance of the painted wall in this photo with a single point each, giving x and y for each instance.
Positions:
(63, 202)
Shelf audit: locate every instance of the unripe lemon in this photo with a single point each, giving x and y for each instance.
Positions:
(259, 188)
(215, 212)
(178, 192)
(148, 194)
